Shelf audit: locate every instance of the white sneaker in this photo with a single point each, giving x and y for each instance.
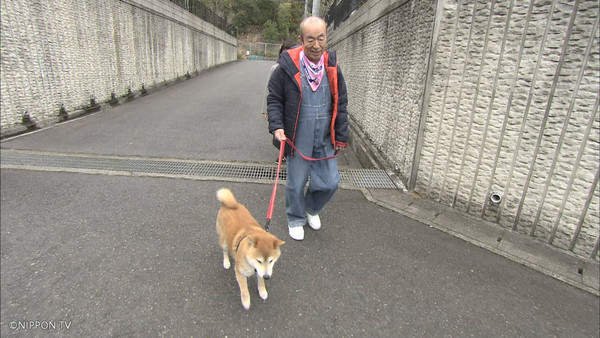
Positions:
(313, 221)
(296, 233)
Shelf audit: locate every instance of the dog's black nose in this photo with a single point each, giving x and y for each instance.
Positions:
(266, 276)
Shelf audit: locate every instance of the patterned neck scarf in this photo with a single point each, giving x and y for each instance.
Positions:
(314, 72)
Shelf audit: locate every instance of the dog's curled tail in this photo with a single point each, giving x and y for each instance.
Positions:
(225, 196)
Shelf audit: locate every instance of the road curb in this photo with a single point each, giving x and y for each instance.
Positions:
(542, 257)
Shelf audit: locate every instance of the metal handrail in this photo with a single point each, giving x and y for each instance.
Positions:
(200, 10)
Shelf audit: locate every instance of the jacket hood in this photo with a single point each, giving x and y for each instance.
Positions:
(287, 63)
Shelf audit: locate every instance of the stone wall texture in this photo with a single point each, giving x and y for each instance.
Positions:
(384, 63)
(474, 98)
(64, 53)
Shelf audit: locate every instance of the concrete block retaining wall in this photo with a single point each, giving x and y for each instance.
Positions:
(65, 53)
(468, 99)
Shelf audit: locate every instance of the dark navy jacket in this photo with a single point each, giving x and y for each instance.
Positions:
(285, 95)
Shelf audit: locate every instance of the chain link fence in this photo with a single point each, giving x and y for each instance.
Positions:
(258, 50)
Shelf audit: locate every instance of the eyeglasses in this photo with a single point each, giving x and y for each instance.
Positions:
(311, 40)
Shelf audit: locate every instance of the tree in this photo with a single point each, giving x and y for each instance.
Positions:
(252, 16)
(254, 12)
(284, 19)
(270, 31)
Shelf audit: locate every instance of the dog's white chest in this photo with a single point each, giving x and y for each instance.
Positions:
(245, 268)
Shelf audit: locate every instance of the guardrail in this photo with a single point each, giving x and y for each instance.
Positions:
(340, 12)
(200, 10)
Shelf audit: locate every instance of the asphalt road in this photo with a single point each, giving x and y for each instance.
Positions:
(212, 116)
(101, 255)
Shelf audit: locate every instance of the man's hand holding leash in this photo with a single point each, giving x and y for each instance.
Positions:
(280, 135)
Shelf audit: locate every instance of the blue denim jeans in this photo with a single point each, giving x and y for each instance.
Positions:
(313, 139)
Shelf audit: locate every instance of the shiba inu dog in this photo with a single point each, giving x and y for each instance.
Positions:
(252, 248)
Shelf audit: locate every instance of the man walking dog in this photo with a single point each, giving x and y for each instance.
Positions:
(307, 104)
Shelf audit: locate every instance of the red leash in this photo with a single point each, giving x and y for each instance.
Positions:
(270, 212)
(281, 150)
(306, 157)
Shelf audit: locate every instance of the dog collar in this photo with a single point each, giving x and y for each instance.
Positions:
(240, 242)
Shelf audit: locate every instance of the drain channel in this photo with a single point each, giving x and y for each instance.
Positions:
(201, 170)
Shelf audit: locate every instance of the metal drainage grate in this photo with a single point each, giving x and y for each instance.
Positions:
(367, 178)
(350, 178)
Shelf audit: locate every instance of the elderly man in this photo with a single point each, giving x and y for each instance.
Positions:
(307, 104)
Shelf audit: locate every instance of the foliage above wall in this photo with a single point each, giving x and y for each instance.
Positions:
(264, 20)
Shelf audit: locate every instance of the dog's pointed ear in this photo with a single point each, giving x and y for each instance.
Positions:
(277, 243)
(251, 241)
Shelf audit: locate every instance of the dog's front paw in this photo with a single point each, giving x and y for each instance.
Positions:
(226, 262)
(263, 294)
(246, 301)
